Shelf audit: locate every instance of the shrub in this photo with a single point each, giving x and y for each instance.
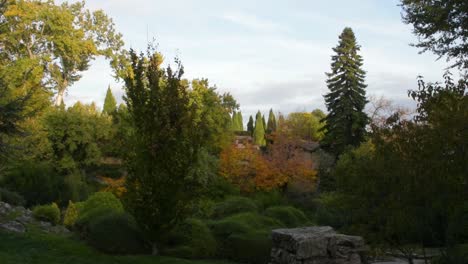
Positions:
(268, 199)
(244, 236)
(203, 208)
(234, 205)
(116, 233)
(50, 213)
(71, 213)
(252, 247)
(191, 239)
(455, 255)
(98, 204)
(38, 183)
(243, 223)
(288, 215)
(12, 198)
(330, 210)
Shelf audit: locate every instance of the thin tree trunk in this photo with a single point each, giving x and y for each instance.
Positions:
(59, 97)
(154, 249)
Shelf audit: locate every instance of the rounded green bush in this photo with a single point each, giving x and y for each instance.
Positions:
(287, 215)
(50, 213)
(191, 239)
(268, 199)
(116, 233)
(98, 204)
(242, 224)
(254, 247)
(234, 205)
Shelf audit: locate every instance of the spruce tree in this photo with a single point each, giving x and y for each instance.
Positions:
(250, 126)
(271, 125)
(110, 104)
(259, 131)
(346, 120)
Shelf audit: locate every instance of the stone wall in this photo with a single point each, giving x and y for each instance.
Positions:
(316, 245)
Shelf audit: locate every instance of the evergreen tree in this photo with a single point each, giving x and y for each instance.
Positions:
(346, 120)
(250, 126)
(240, 122)
(234, 122)
(259, 131)
(110, 104)
(264, 123)
(271, 125)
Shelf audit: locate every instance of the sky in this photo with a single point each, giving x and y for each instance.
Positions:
(268, 54)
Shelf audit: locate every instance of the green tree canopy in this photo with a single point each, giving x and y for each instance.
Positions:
(240, 122)
(169, 136)
(346, 121)
(110, 104)
(250, 125)
(63, 38)
(271, 125)
(441, 27)
(408, 186)
(259, 130)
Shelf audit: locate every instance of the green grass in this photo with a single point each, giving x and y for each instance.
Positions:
(35, 247)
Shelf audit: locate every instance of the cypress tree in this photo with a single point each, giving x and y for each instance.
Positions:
(346, 120)
(250, 126)
(110, 104)
(259, 131)
(264, 123)
(234, 121)
(240, 122)
(271, 125)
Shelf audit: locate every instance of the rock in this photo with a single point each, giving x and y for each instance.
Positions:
(13, 226)
(16, 218)
(315, 245)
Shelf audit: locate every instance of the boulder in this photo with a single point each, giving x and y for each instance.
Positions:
(16, 218)
(13, 226)
(316, 245)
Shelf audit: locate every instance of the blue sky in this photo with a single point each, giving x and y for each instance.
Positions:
(268, 54)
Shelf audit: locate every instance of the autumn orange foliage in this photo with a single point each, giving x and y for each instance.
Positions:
(115, 186)
(250, 169)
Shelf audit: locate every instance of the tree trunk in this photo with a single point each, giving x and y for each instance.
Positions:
(154, 249)
(59, 97)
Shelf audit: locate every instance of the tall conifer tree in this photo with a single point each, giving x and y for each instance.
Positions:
(346, 120)
(234, 121)
(264, 123)
(240, 122)
(259, 131)
(250, 126)
(271, 125)
(110, 104)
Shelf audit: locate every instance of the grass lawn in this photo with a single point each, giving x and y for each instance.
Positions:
(36, 247)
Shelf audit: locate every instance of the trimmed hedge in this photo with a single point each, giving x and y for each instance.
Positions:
(234, 205)
(288, 215)
(116, 233)
(49, 213)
